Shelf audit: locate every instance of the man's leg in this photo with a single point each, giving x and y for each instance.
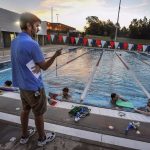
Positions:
(24, 122)
(39, 122)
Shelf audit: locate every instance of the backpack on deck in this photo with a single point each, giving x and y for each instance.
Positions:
(84, 111)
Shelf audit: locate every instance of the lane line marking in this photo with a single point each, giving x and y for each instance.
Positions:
(5, 70)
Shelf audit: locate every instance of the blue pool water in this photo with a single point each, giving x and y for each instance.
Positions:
(5, 72)
(111, 76)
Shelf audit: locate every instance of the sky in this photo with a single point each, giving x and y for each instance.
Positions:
(74, 12)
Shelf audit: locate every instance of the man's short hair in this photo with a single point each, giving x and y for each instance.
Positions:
(65, 89)
(113, 95)
(28, 18)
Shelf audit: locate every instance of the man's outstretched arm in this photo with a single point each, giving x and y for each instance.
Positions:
(46, 64)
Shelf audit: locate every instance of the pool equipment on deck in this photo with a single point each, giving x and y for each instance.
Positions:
(79, 112)
(132, 125)
(121, 114)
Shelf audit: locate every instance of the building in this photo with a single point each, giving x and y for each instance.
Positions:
(58, 27)
(9, 28)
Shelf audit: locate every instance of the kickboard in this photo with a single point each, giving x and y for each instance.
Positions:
(3, 88)
(124, 104)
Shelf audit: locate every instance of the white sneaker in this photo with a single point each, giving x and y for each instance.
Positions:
(24, 140)
(50, 136)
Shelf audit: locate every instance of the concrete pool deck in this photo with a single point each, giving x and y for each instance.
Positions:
(91, 133)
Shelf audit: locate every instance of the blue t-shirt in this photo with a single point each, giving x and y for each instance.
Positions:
(23, 50)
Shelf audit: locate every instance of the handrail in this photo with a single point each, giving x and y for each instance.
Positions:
(90, 79)
(134, 76)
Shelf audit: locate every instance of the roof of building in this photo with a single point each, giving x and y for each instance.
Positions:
(56, 24)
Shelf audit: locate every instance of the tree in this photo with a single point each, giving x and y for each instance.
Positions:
(93, 25)
(98, 27)
(124, 32)
(138, 29)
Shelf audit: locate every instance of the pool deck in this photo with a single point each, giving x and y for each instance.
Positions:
(5, 52)
(90, 133)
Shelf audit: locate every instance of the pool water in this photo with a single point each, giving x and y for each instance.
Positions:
(4, 66)
(110, 76)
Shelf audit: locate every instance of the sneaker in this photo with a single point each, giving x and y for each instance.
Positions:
(48, 138)
(24, 140)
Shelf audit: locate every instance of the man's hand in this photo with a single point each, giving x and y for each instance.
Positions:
(58, 52)
(46, 64)
(36, 69)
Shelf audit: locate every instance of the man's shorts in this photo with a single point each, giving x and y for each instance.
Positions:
(38, 104)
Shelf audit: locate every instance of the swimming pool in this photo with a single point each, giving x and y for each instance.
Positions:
(110, 76)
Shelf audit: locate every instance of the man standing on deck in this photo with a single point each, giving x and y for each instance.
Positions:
(25, 50)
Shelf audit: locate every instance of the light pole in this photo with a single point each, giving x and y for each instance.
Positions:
(117, 24)
(57, 17)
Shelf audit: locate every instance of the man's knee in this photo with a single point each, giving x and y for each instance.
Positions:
(40, 116)
(25, 112)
